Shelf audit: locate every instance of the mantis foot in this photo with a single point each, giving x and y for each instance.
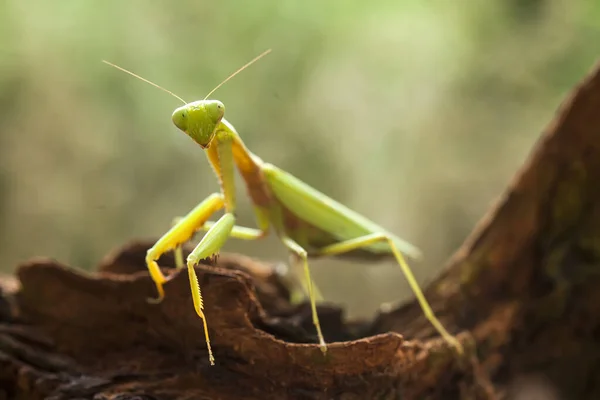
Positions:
(323, 347)
(160, 290)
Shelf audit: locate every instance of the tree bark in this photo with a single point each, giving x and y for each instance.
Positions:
(523, 294)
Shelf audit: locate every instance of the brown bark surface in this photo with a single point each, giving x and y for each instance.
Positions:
(523, 292)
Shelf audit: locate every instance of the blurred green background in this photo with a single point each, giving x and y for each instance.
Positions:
(414, 113)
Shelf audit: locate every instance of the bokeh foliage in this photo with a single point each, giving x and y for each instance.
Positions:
(414, 113)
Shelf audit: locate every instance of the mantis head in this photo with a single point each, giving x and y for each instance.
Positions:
(199, 120)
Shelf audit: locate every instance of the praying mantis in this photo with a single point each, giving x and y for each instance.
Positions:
(308, 223)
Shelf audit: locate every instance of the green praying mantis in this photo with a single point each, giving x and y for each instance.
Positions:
(308, 223)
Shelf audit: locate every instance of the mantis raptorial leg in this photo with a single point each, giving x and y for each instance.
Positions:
(179, 233)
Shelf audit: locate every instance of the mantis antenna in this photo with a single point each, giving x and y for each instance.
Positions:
(249, 63)
(145, 80)
(255, 59)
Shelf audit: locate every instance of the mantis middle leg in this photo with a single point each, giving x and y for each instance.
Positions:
(302, 256)
(237, 232)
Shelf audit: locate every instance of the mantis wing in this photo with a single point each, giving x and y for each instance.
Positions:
(326, 214)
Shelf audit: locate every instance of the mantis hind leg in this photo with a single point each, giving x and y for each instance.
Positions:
(364, 241)
(302, 255)
(179, 233)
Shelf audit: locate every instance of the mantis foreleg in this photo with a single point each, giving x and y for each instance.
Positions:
(180, 233)
(178, 252)
(210, 244)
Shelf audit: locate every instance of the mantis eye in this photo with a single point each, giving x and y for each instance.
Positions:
(215, 109)
(220, 109)
(180, 118)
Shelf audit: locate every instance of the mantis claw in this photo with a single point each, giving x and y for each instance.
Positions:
(160, 289)
(457, 346)
(161, 295)
(155, 300)
(192, 263)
